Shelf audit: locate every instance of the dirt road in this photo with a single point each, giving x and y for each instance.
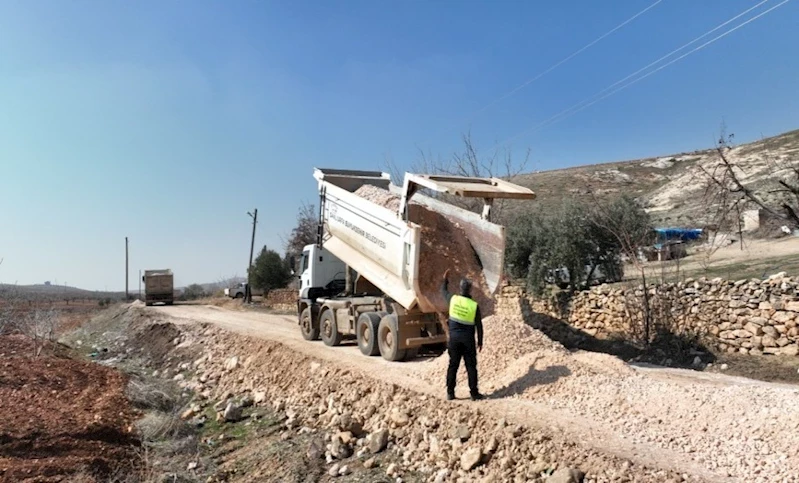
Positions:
(707, 426)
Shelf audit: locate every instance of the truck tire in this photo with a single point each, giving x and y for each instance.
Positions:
(388, 339)
(328, 330)
(309, 329)
(238, 295)
(366, 330)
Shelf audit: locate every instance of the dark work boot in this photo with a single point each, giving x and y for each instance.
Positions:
(477, 397)
(450, 396)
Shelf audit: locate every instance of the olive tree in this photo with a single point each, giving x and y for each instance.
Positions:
(567, 247)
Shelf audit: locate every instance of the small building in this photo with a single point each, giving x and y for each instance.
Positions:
(751, 220)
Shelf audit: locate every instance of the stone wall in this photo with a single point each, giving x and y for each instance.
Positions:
(282, 299)
(746, 316)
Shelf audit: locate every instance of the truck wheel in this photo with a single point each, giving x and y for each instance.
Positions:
(238, 295)
(310, 330)
(368, 325)
(388, 338)
(327, 326)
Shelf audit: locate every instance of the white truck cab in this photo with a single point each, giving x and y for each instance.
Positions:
(320, 270)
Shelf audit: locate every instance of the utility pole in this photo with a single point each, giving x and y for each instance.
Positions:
(248, 290)
(127, 295)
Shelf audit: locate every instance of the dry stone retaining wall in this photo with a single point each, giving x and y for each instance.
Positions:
(747, 316)
(282, 299)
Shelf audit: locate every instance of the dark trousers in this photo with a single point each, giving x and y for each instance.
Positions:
(462, 347)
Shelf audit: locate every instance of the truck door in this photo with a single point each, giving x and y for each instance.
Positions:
(305, 272)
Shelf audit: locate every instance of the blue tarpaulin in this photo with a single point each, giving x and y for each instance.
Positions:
(678, 233)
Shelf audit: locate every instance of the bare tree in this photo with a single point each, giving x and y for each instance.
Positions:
(304, 232)
(631, 226)
(216, 288)
(41, 326)
(469, 162)
(8, 310)
(730, 194)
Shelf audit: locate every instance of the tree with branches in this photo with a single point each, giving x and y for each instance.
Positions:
(729, 194)
(304, 232)
(625, 221)
(567, 247)
(269, 271)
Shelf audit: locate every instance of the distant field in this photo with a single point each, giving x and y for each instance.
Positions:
(758, 259)
(71, 313)
(54, 292)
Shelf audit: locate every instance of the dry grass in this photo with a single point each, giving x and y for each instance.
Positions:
(157, 426)
(153, 394)
(166, 438)
(145, 472)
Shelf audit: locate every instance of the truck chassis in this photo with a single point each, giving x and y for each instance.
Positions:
(379, 325)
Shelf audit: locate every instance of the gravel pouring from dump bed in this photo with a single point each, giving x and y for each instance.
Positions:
(444, 245)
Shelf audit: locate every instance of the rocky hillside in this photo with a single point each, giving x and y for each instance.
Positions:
(50, 292)
(672, 187)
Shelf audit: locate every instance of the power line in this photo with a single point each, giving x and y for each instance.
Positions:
(562, 61)
(672, 61)
(593, 99)
(684, 46)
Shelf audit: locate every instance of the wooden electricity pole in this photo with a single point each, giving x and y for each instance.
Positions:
(127, 296)
(248, 289)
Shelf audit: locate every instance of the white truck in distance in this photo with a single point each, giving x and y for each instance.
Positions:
(361, 279)
(240, 290)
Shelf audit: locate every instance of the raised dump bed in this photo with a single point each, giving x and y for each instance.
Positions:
(375, 272)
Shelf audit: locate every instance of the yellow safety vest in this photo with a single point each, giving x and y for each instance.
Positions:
(462, 309)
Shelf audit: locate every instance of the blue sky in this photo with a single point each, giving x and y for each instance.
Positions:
(168, 121)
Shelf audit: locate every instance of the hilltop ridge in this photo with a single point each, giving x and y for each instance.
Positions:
(671, 187)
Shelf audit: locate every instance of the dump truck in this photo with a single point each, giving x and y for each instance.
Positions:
(362, 277)
(158, 287)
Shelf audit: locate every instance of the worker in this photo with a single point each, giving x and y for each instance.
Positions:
(464, 318)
